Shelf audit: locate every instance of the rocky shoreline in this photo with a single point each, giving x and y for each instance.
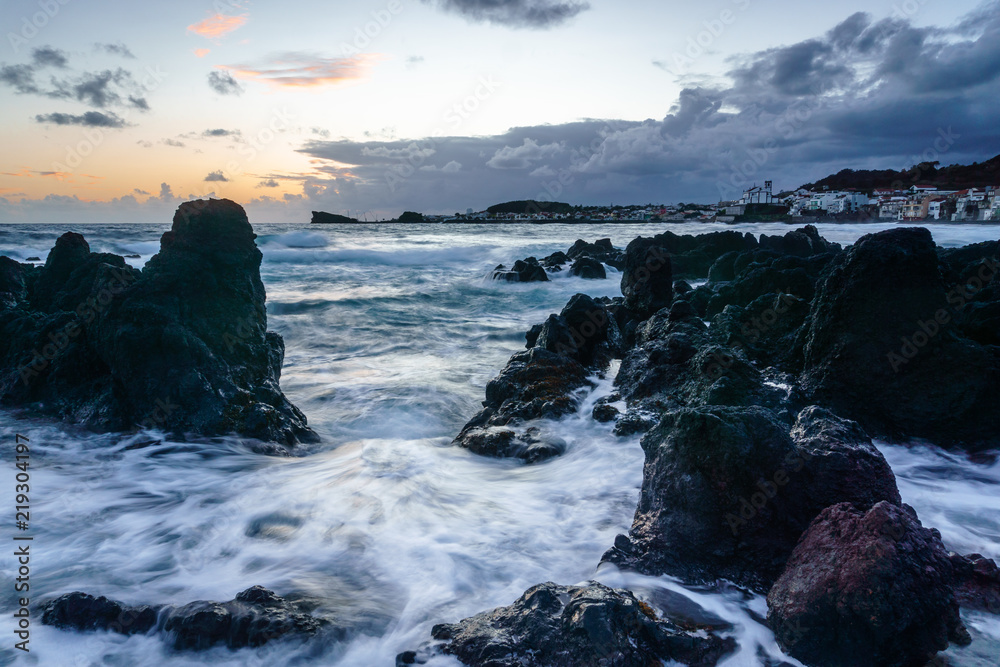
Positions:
(758, 392)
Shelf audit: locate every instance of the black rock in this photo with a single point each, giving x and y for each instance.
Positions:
(882, 348)
(574, 626)
(978, 583)
(584, 331)
(727, 491)
(535, 384)
(866, 588)
(254, 618)
(82, 612)
(181, 346)
(647, 279)
(592, 269)
(524, 271)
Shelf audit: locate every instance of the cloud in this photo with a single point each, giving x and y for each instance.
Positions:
(865, 94)
(224, 84)
(174, 143)
(47, 56)
(301, 69)
(201, 53)
(105, 89)
(413, 61)
(118, 49)
(88, 119)
(514, 13)
(96, 89)
(166, 193)
(220, 132)
(522, 156)
(137, 191)
(216, 176)
(217, 25)
(19, 77)
(269, 183)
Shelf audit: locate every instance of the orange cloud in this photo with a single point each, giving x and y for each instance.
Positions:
(201, 53)
(301, 70)
(218, 25)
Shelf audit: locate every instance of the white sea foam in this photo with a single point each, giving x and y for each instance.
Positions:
(391, 338)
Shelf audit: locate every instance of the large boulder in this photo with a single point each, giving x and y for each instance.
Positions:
(588, 268)
(541, 382)
(535, 384)
(572, 626)
(647, 280)
(182, 345)
(254, 618)
(676, 363)
(584, 331)
(524, 271)
(866, 588)
(882, 348)
(728, 491)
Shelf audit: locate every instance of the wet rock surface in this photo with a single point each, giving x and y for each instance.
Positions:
(728, 491)
(564, 626)
(181, 346)
(256, 617)
(541, 382)
(881, 347)
(867, 587)
(524, 271)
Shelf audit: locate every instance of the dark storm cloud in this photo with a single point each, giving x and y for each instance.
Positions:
(47, 56)
(865, 94)
(224, 84)
(88, 119)
(514, 13)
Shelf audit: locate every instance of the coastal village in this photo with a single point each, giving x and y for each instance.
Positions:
(918, 203)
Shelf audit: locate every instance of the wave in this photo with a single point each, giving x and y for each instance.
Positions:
(402, 257)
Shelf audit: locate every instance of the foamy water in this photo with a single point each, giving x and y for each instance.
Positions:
(391, 333)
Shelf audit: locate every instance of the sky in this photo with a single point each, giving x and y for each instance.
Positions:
(117, 111)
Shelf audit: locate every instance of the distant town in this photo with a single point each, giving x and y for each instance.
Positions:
(957, 193)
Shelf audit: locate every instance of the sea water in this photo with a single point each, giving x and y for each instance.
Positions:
(391, 333)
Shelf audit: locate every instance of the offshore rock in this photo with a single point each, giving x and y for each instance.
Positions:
(181, 346)
(254, 618)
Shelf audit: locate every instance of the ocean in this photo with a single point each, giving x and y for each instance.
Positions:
(391, 333)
